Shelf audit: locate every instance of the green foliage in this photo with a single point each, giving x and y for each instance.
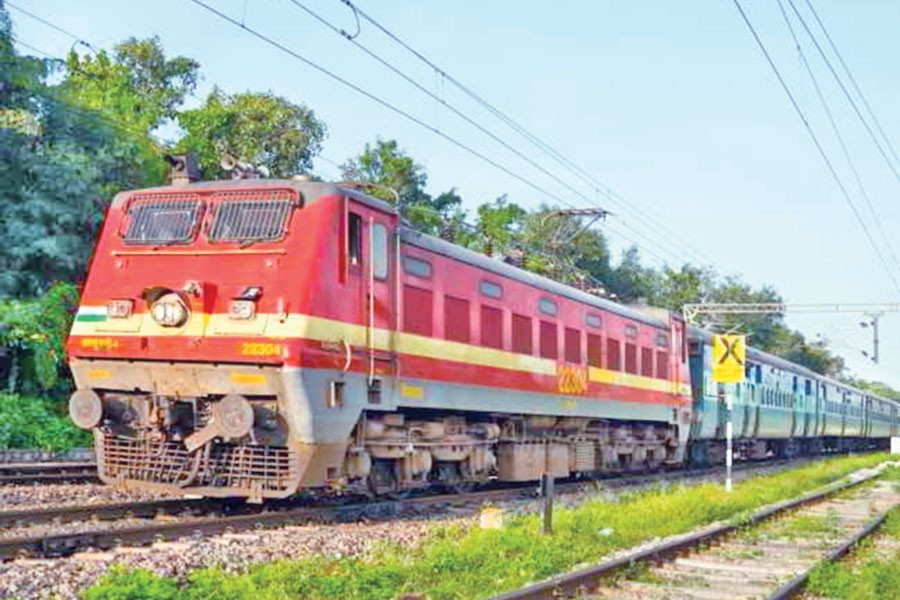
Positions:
(264, 130)
(399, 180)
(31, 422)
(34, 333)
(137, 86)
(120, 584)
(459, 562)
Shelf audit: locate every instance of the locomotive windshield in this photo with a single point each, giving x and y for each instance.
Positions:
(162, 221)
(249, 220)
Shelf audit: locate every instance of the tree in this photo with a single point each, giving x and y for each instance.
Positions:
(137, 86)
(400, 181)
(264, 130)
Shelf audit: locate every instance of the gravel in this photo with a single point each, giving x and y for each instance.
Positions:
(43, 495)
(234, 552)
(65, 577)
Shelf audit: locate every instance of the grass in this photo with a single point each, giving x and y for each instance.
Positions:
(867, 572)
(463, 562)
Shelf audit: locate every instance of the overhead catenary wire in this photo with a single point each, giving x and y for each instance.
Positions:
(852, 79)
(442, 101)
(384, 103)
(572, 167)
(846, 92)
(818, 145)
(862, 190)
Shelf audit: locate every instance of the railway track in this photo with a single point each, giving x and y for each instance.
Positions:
(204, 516)
(70, 471)
(770, 555)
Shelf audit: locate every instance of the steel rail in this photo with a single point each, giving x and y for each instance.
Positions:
(578, 582)
(798, 583)
(38, 472)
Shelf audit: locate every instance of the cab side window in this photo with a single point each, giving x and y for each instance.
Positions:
(380, 251)
(354, 239)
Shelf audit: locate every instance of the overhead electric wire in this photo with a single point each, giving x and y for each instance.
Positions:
(466, 118)
(384, 103)
(850, 76)
(818, 145)
(862, 190)
(585, 176)
(849, 97)
(54, 26)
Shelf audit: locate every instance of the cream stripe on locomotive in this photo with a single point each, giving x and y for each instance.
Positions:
(296, 326)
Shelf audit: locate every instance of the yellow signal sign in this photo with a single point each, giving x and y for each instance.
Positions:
(729, 357)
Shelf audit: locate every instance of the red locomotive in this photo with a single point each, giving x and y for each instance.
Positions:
(260, 337)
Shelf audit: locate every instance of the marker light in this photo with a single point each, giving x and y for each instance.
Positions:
(241, 309)
(119, 309)
(170, 311)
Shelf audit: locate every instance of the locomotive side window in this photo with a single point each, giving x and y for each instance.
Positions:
(491, 289)
(613, 355)
(573, 345)
(593, 320)
(594, 350)
(549, 343)
(162, 221)
(243, 220)
(491, 327)
(354, 238)
(456, 319)
(417, 267)
(379, 251)
(522, 335)
(547, 306)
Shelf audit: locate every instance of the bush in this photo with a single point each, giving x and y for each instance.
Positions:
(34, 333)
(31, 422)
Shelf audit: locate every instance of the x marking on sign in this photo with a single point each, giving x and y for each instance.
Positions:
(730, 351)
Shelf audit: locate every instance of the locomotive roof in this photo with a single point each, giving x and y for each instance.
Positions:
(498, 267)
(313, 190)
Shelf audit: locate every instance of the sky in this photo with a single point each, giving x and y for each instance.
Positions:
(672, 106)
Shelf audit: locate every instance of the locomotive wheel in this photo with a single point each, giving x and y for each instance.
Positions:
(453, 478)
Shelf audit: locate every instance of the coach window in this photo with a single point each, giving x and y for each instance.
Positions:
(379, 251)
(417, 267)
(491, 289)
(548, 306)
(354, 238)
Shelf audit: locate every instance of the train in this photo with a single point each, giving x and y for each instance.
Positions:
(260, 338)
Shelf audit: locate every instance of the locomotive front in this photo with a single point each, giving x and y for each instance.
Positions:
(184, 348)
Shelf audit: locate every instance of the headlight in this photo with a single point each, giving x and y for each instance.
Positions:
(241, 309)
(119, 309)
(170, 311)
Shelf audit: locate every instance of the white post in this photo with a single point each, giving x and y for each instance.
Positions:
(728, 445)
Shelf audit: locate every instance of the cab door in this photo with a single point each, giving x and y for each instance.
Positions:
(371, 278)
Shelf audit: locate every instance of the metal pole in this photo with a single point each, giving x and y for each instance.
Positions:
(547, 489)
(729, 434)
(875, 318)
